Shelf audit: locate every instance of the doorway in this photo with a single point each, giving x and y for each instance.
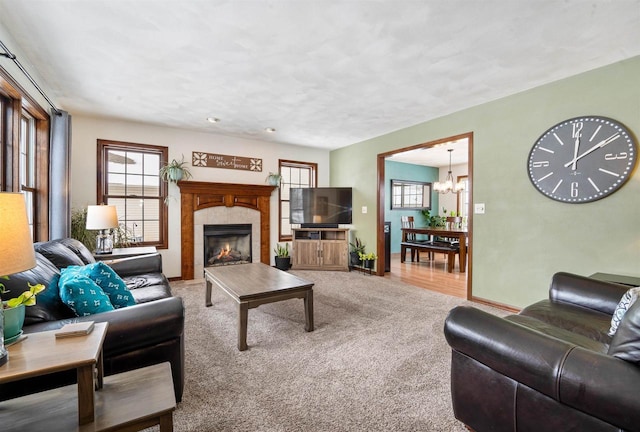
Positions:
(382, 181)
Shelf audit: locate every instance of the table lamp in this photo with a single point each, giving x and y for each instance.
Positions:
(16, 246)
(102, 218)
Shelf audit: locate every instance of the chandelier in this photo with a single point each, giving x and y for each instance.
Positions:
(448, 185)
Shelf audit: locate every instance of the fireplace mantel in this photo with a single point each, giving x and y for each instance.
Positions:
(196, 196)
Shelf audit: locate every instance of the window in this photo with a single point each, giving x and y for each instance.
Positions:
(4, 113)
(413, 195)
(463, 196)
(24, 152)
(294, 175)
(128, 177)
(27, 165)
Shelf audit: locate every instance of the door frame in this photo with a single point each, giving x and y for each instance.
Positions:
(380, 203)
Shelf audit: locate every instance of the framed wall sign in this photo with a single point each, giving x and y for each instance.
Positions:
(213, 160)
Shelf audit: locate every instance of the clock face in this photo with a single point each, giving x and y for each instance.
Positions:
(582, 159)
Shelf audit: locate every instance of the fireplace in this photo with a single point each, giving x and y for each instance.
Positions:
(200, 199)
(227, 244)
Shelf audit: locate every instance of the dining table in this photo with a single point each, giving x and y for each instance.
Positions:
(446, 232)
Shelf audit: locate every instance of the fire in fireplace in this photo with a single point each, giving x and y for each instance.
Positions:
(227, 244)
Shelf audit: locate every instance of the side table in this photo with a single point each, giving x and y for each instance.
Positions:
(129, 401)
(126, 253)
(619, 279)
(41, 354)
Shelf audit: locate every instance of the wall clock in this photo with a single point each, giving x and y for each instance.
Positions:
(582, 159)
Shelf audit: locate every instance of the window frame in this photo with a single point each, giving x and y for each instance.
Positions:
(404, 194)
(463, 204)
(313, 181)
(16, 103)
(103, 146)
(27, 165)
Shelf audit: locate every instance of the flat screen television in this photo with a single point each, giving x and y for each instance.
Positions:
(321, 207)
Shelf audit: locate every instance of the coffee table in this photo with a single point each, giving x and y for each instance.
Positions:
(252, 285)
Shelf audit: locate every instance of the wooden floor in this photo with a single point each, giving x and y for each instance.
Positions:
(431, 275)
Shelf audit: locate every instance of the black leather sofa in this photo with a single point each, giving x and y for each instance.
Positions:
(150, 332)
(552, 367)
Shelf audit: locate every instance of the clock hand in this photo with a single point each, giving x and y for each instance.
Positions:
(601, 144)
(575, 153)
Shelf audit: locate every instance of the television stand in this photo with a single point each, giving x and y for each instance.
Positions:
(320, 249)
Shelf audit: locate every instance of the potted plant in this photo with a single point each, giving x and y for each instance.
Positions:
(79, 229)
(368, 259)
(357, 247)
(175, 171)
(434, 221)
(13, 310)
(274, 179)
(283, 260)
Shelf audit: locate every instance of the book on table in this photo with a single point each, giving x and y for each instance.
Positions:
(75, 329)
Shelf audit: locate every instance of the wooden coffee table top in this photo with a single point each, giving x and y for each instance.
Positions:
(252, 281)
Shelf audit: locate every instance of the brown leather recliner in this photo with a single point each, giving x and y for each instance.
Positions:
(150, 332)
(552, 367)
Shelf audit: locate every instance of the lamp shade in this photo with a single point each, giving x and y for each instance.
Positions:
(16, 244)
(101, 217)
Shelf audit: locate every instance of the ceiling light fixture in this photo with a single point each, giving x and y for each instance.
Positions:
(448, 185)
(213, 119)
(270, 130)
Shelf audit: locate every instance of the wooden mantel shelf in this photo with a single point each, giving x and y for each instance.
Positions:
(196, 196)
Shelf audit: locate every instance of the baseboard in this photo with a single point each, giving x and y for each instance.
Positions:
(497, 305)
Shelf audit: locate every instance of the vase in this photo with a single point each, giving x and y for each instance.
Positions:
(354, 258)
(4, 355)
(273, 180)
(370, 264)
(13, 321)
(283, 263)
(175, 174)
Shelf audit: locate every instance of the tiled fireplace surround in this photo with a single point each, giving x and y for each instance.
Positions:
(204, 203)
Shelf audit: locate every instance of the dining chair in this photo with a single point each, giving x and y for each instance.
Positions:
(451, 222)
(454, 222)
(408, 222)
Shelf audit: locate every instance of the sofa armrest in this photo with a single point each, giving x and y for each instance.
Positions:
(588, 381)
(135, 265)
(602, 385)
(522, 354)
(586, 292)
(144, 324)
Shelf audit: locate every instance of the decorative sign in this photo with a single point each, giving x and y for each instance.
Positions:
(212, 160)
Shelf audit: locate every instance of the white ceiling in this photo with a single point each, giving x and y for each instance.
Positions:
(323, 73)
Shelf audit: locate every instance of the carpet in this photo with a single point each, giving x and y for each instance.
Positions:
(377, 360)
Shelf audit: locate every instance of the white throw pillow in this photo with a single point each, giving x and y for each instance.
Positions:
(625, 303)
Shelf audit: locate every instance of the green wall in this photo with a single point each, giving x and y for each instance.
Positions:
(404, 171)
(524, 237)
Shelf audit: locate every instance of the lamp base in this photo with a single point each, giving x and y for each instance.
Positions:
(104, 243)
(3, 356)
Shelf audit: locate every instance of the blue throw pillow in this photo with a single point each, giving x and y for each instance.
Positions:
(82, 295)
(107, 279)
(111, 284)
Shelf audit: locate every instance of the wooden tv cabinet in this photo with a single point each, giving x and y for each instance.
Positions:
(320, 249)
